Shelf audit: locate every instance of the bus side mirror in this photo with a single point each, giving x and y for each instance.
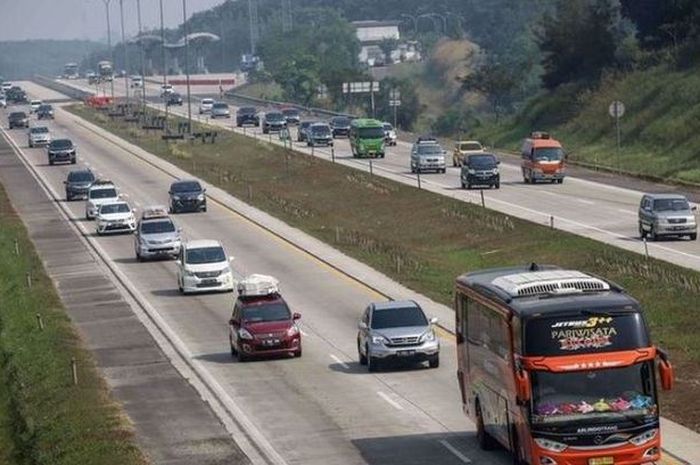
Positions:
(522, 387)
(666, 375)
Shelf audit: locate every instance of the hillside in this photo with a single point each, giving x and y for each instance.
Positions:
(23, 59)
(659, 130)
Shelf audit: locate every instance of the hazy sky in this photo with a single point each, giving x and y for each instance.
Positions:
(86, 19)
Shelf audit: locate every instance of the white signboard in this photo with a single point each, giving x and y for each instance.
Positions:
(616, 109)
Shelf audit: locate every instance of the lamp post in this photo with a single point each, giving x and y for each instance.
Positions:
(187, 66)
(109, 45)
(143, 63)
(126, 52)
(165, 66)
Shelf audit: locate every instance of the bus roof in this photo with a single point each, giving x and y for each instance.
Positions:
(367, 123)
(538, 289)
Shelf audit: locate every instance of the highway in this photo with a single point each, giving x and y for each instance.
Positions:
(603, 212)
(323, 408)
(402, 416)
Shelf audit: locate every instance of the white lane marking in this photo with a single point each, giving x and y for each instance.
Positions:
(626, 212)
(389, 400)
(587, 202)
(340, 362)
(454, 451)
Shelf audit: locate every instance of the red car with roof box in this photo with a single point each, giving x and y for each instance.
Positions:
(262, 323)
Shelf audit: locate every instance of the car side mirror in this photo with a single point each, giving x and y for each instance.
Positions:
(362, 325)
(179, 230)
(666, 372)
(231, 258)
(433, 320)
(233, 322)
(694, 208)
(133, 210)
(296, 316)
(65, 182)
(498, 162)
(523, 387)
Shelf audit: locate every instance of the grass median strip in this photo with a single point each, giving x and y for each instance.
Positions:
(44, 418)
(424, 240)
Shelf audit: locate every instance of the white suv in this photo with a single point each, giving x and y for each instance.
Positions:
(115, 217)
(39, 135)
(205, 105)
(34, 105)
(203, 266)
(100, 192)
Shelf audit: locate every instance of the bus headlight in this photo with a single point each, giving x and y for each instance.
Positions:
(644, 437)
(548, 444)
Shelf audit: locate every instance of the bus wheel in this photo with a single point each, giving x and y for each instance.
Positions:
(486, 442)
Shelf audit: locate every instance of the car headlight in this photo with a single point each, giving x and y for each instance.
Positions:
(660, 221)
(200, 197)
(293, 331)
(244, 334)
(176, 197)
(644, 437)
(471, 171)
(537, 170)
(548, 444)
(379, 340)
(428, 336)
(189, 273)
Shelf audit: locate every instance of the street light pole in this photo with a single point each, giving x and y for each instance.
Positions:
(165, 67)
(143, 63)
(187, 67)
(126, 53)
(109, 45)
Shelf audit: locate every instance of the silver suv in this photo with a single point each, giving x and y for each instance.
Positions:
(396, 330)
(666, 215)
(427, 156)
(156, 235)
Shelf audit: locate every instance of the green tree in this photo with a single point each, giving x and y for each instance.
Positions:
(497, 81)
(410, 108)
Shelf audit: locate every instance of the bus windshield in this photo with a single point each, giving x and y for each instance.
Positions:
(598, 396)
(371, 133)
(549, 154)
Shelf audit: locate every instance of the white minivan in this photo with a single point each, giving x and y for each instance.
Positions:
(203, 266)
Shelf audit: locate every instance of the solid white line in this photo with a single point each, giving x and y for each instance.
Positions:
(456, 453)
(389, 400)
(340, 362)
(626, 212)
(587, 202)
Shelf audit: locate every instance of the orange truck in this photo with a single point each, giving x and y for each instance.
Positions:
(543, 159)
(557, 366)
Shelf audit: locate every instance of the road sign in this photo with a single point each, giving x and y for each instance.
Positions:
(616, 109)
(360, 87)
(394, 103)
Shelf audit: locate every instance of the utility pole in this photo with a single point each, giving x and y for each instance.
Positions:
(126, 52)
(143, 63)
(254, 26)
(109, 45)
(165, 66)
(187, 66)
(287, 21)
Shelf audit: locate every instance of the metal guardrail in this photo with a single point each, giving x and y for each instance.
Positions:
(64, 89)
(310, 110)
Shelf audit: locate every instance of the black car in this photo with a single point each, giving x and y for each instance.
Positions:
(174, 99)
(62, 150)
(274, 121)
(480, 170)
(44, 112)
(303, 131)
(16, 95)
(340, 126)
(77, 184)
(247, 115)
(187, 195)
(18, 119)
(292, 116)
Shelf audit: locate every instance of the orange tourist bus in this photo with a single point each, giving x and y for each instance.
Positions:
(557, 366)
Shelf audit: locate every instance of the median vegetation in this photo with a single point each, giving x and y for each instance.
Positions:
(44, 418)
(424, 240)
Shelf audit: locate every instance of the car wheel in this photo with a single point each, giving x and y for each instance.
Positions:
(204, 209)
(72, 161)
(464, 185)
(360, 356)
(693, 236)
(372, 363)
(443, 171)
(297, 354)
(485, 440)
(642, 232)
(50, 162)
(234, 352)
(434, 361)
(651, 235)
(242, 358)
(469, 186)
(497, 185)
(560, 181)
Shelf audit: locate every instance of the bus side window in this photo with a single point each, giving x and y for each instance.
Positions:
(462, 303)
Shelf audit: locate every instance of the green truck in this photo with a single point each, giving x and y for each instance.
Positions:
(367, 138)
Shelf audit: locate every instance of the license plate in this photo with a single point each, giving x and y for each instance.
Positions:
(601, 461)
(210, 282)
(271, 342)
(406, 353)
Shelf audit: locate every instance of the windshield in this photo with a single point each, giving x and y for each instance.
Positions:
(482, 160)
(45, 108)
(80, 176)
(549, 154)
(18, 115)
(114, 208)
(274, 117)
(371, 133)
(267, 312)
(585, 333)
(186, 187)
(61, 144)
(600, 395)
(388, 127)
(341, 122)
(398, 317)
(157, 227)
(247, 111)
(205, 255)
(321, 130)
(207, 101)
(40, 130)
(103, 193)
(666, 205)
(290, 113)
(470, 146)
(429, 149)
(220, 106)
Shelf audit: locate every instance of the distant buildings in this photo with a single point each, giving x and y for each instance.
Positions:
(372, 34)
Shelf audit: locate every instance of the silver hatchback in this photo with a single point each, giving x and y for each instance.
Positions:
(666, 215)
(396, 331)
